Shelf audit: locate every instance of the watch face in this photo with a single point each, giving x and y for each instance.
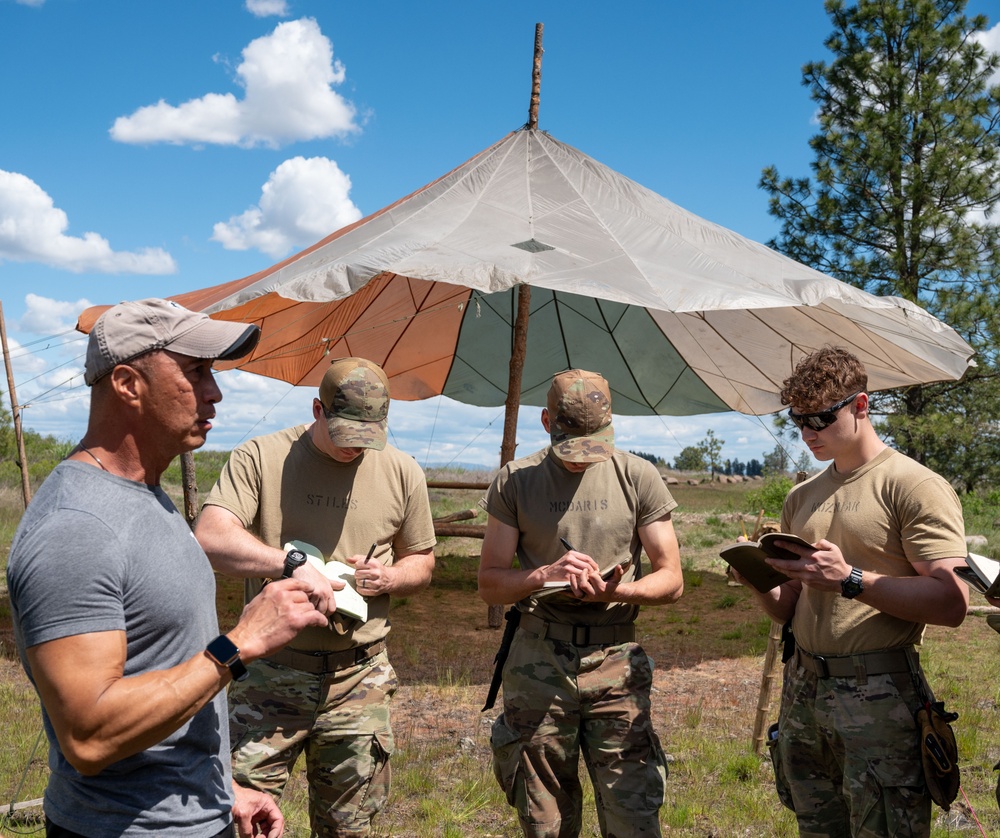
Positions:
(294, 559)
(222, 649)
(852, 586)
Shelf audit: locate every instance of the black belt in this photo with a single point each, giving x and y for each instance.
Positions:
(860, 665)
(579, 635)
(321, 663)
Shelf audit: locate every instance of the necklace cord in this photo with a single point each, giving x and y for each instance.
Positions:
(97, 459)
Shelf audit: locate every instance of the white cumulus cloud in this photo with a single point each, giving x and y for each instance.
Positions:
(287, 78)
(267, 8)
(33, 229)
(990, 40)
(304, 200)
(46, 316)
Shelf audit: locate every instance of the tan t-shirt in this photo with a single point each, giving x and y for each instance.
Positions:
(283, 488)
(885, 516)
(598, 511)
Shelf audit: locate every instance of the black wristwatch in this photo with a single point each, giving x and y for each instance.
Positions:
(851, 586)
(294, 559)
(226, 653)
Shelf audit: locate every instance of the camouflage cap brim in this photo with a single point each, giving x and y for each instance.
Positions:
(592, 448)
(351, 433)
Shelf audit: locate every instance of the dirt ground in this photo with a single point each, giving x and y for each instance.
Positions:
(708, 649)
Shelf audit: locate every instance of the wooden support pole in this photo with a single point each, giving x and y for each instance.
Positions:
(15, 412)
(190, 483)
(536, 77)
(766, 683)
(517, 355)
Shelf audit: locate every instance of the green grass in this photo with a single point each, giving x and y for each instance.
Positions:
(442, 781)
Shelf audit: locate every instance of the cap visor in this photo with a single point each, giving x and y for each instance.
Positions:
(351, 433)
(217, 339)
(594, 448)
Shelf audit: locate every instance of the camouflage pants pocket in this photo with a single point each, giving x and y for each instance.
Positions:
(628, 805)
(895, 802)
(350, 780)
(507, 769)
(780, 783)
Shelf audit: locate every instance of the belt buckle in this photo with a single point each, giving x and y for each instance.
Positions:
(822, 668)
(581, 640)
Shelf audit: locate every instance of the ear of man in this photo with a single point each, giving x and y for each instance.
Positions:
(128, 384)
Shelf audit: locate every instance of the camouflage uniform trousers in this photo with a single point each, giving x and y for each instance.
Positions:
(559, 700)
(847, 757)
(340, 719)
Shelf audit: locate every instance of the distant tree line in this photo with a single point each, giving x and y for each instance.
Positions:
(656, 461)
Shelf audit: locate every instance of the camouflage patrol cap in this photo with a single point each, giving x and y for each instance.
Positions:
(355, 397)
(579, 405)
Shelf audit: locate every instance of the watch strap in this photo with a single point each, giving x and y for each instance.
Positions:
(294, 559)
(852, 585)
(225, 653)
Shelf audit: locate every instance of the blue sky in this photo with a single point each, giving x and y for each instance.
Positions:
(149, 149)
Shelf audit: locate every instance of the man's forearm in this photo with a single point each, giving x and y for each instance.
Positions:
(233, 550)
(779, 603)
(938, 599)
(410, 574)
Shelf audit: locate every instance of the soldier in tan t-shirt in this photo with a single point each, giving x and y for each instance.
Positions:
(335, 485)
(575, 680)
(886, 534)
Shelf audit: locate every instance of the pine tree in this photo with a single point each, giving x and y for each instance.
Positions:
(711, 448)
(905, 177)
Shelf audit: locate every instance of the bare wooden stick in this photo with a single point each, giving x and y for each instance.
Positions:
(462, 531)
(464, 515)
(770, 657)
(764, 698)
(24, 805)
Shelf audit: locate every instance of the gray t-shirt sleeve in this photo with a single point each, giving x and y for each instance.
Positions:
(69, 579)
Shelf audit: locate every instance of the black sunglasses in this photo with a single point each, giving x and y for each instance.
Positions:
(821, 419)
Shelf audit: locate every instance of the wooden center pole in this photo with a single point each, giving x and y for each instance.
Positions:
(519, 343)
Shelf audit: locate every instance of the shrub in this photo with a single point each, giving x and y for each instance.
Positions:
(770, 496)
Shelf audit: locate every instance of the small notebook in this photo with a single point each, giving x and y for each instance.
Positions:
(348, 600)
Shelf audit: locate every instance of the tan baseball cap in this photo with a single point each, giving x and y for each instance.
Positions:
(130, 329)
(355, 395)
(579, 405)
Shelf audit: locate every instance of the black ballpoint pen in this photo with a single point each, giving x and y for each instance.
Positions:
(565, 543)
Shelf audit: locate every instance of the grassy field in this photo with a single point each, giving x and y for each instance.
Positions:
(709, 650)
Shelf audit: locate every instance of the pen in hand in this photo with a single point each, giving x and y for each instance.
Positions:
(565, 543)
(362, 583)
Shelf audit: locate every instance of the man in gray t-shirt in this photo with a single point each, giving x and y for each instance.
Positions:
(113, 601)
